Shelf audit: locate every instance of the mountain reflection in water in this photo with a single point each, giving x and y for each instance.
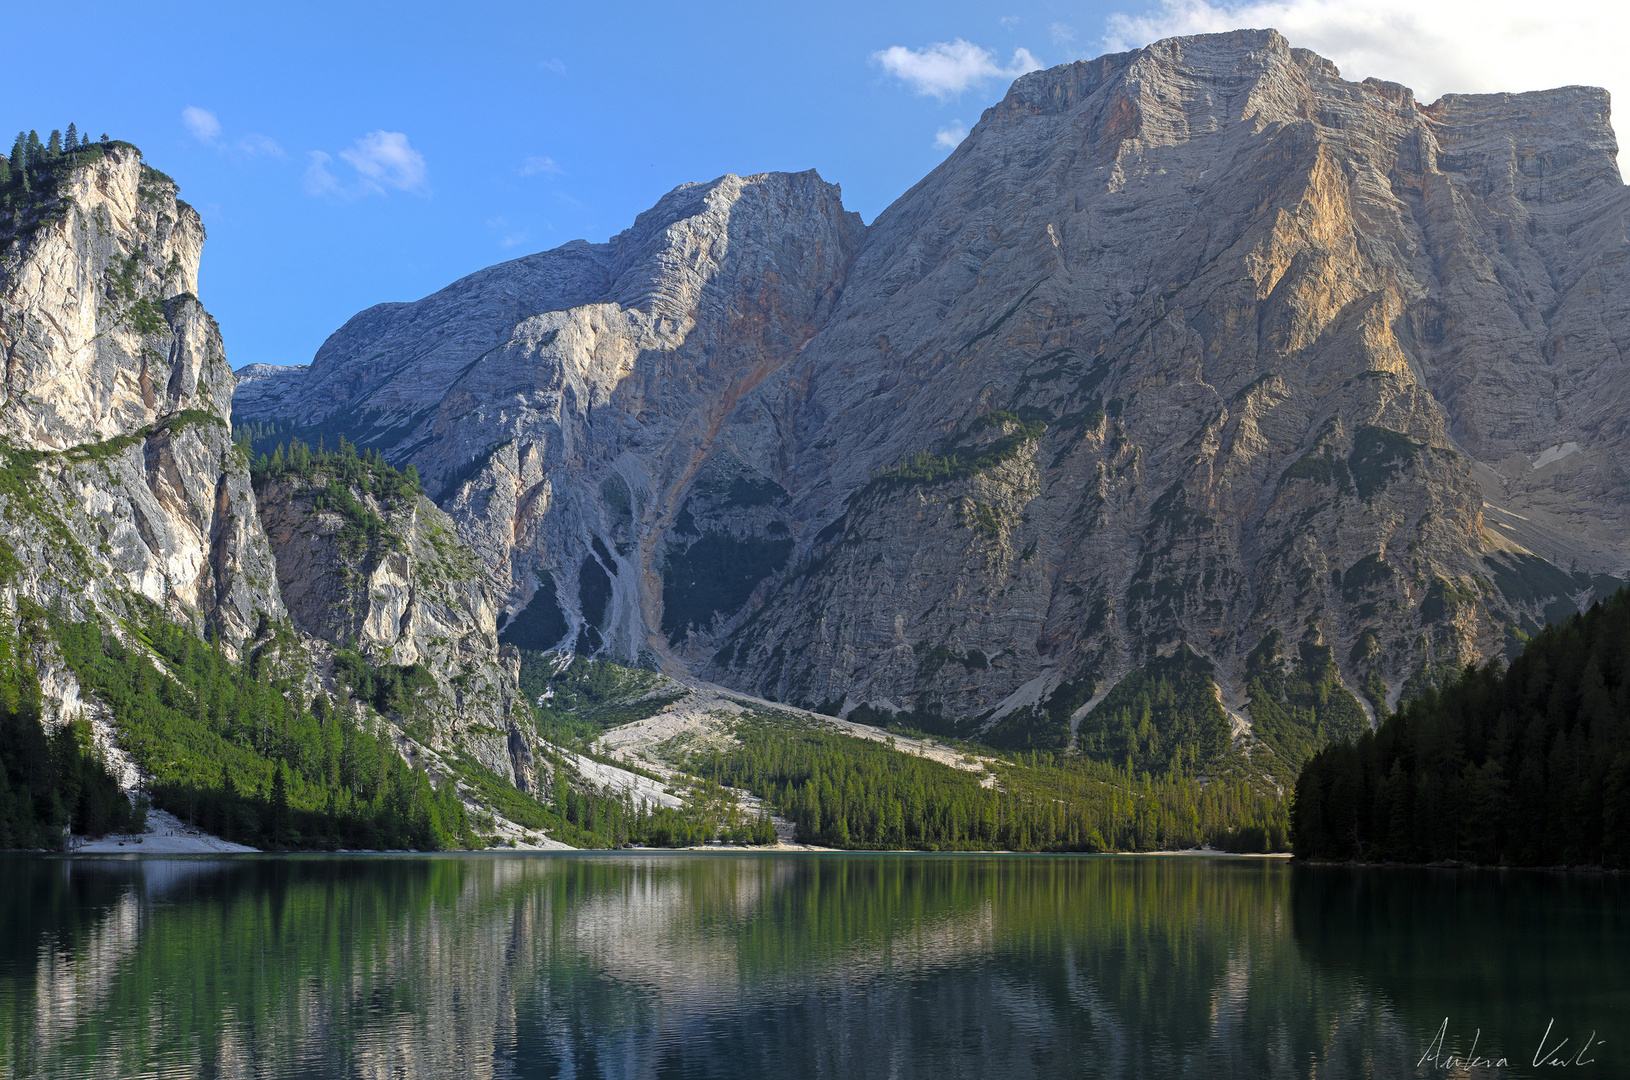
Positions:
(789, 966)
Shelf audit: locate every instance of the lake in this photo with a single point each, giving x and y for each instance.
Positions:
(639, 964)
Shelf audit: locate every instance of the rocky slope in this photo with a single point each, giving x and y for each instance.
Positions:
(382, 573)
(1199, 350)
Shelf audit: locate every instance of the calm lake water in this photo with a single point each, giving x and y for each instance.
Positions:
(704, 965)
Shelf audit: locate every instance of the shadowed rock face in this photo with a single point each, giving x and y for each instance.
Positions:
(1197, 345)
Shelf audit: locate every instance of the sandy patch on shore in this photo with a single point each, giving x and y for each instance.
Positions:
(166, 835)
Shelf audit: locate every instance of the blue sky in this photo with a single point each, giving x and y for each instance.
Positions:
(347, 154)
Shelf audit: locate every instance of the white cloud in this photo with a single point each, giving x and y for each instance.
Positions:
(554, 64)
(380, 160)
(202, 123)
(541, 166)
(260, 146)
(951, 136)
(318, 180)
(1061, 33)
(946, 68)
(385, 159)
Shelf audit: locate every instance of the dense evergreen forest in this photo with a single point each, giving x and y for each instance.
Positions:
(240, 751)
(1521, 766)
(849, 792)
(238, 748)
(49, 782)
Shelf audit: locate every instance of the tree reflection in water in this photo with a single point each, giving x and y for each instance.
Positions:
(784, 965)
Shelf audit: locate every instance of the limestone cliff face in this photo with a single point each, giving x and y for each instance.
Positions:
(122, 477)
(1197, 345)
(412, 594)
(121, 480)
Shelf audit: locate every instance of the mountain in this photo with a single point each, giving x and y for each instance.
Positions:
(296, 648)
(1195, 373)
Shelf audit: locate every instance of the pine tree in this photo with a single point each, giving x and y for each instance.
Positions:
(280, 802)
(54, 146)
(72, 141)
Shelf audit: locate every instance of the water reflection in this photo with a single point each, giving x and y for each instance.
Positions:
(785, 966)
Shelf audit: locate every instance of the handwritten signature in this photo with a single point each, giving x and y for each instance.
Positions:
(1557, 1056)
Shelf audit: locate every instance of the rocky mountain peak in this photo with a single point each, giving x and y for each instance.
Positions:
(1197, 362)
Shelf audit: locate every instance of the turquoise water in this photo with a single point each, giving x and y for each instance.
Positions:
(704, 965)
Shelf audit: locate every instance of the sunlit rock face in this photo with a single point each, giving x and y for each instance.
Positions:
(115, 410)
(1199, 345)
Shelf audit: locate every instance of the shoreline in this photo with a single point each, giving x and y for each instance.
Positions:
(128, 846)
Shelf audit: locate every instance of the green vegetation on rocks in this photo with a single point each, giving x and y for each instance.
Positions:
(924, 469)
(1297, 712)
(52, 781)
(1163, 716)
(1379, 454)
(338, 479)
(238, 749)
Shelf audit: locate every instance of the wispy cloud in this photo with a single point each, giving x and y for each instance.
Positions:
(319, 180)
(510, 236)
(951, 136)
(1061, 33)
(385, 159)
(946, 68)
(380, 161)
(541, 166)
(554, 64)
(202, 123)
(205, 126)
(256, 145)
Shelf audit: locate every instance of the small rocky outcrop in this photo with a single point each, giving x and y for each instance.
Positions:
(366, 563)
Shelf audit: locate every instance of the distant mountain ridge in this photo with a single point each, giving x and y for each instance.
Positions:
(1196, 371)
